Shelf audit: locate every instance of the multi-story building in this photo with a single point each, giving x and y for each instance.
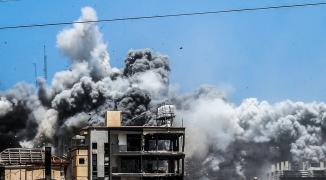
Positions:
(118, 152)
(298, 171)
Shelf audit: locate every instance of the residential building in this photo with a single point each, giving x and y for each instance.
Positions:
(118, 152)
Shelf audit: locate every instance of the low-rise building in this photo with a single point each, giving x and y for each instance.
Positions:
(298, 171)
(30, 164)
(118, 152)
(79, 158)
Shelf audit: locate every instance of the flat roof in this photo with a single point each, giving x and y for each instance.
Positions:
(139, 128)
(18, 156)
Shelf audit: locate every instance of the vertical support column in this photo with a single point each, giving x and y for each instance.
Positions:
(183, 167)
(48, 163)
(178, 166)
(183, 142)
(177, 144)
(142, 142)
(156, 142)
(110, 155)
(142, 150)
(90, 158)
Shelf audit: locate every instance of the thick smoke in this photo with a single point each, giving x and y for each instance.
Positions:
(238, 142)
(224, 141)
(84, 43)
(5, 106)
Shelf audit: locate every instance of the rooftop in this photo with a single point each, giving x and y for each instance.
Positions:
(135, 128)
(26, 156)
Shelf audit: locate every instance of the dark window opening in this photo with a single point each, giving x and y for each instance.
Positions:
(130, 165)
(106, 171)
(106, 148)
(157, 166)
(94, 165)
(94, 145)
(94, 169)
(161, 143)
(133, 142)
(151, 145)
(81, 161)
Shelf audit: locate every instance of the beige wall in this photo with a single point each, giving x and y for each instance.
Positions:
(29, 173)
(113, 119)
(79, 171)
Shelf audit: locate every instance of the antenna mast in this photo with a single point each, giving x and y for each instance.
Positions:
(35, 73)
(45, 67)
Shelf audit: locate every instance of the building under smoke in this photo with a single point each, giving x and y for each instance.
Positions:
(31, 164)
(116, 152)
(298, 171)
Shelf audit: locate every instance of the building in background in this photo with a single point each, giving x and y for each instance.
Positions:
(116, 152)
(298, 171)
(78, 158)
(31, 164)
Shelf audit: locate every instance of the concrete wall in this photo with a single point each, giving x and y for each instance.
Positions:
(100, 137)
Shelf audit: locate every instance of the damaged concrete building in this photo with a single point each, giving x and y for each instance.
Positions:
(31, 164)
(116, 152)
(298, 171)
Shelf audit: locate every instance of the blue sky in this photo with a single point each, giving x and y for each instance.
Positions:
(272, 55)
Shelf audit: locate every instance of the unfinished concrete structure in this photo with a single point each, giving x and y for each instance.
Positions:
(118, 152)
(29, 164)
(298, 171)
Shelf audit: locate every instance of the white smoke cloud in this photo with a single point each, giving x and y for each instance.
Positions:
(150, 81)
(46, 119)
(84, 43)
(66, 79)
(220, 133)
(26, 144)
(78, 120)
(210, 122)
(297, 122)
(5, 106)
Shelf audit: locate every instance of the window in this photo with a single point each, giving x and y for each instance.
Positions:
(133, 142)
(81, 161)
(106, 171)
(94, 164)
(106, 149)
(130, 164)
(94, 145)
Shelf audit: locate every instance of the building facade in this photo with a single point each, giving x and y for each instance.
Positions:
(78, 159)
(134, 152)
